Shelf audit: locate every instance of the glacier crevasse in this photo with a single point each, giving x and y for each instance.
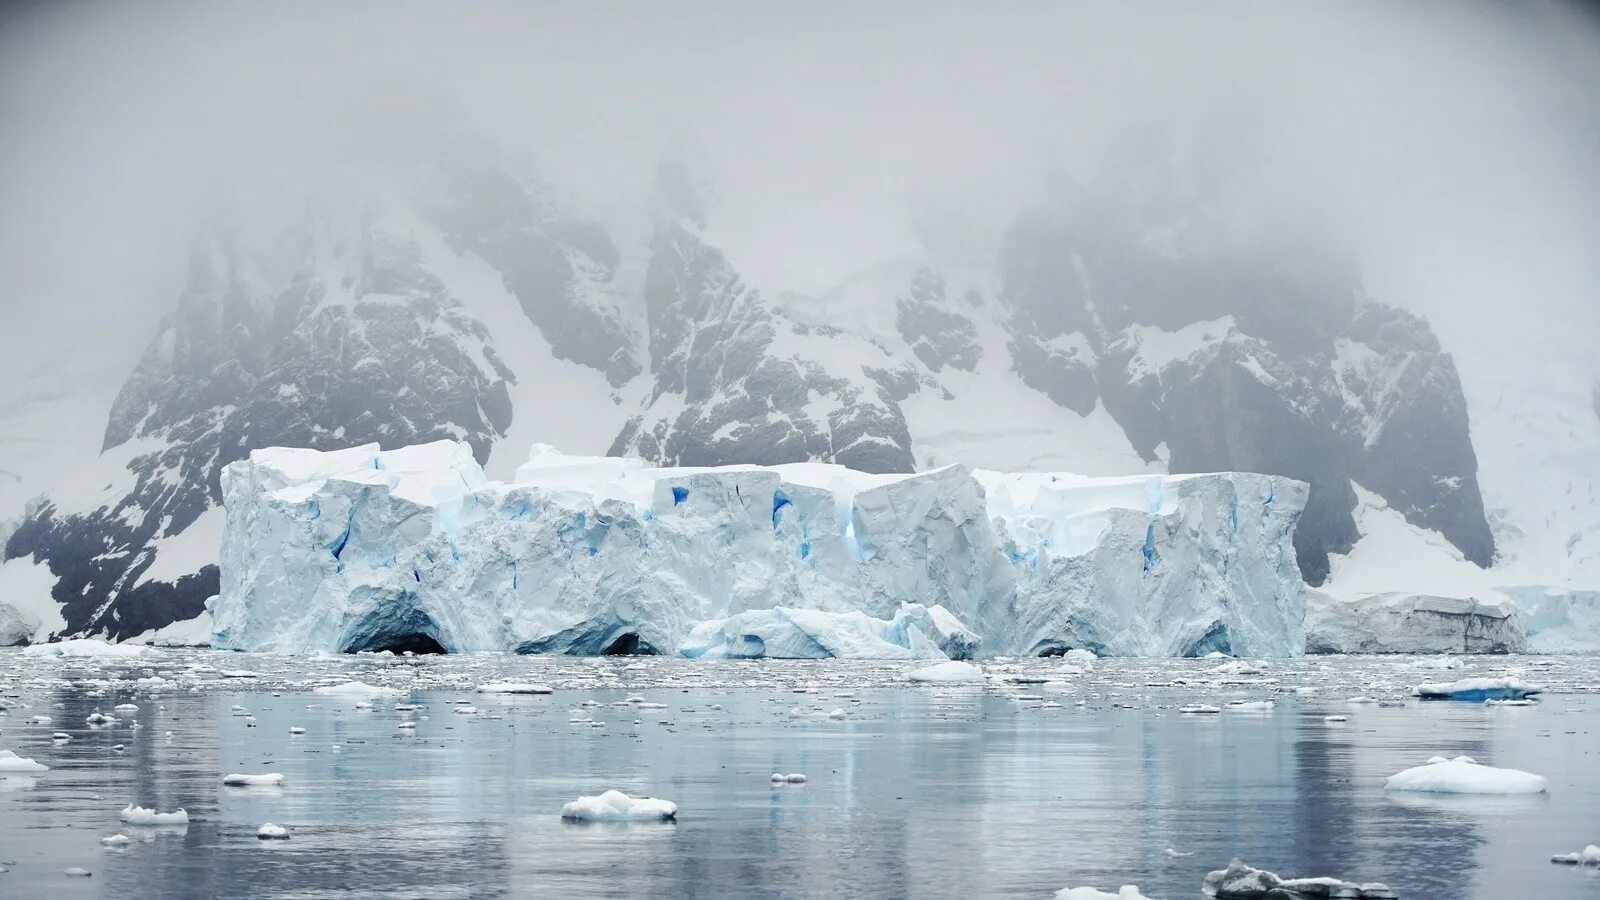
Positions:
(366, 549)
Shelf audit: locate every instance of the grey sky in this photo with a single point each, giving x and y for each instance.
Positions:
(1449, 146)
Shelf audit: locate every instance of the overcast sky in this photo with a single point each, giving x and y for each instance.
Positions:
(1449, 146)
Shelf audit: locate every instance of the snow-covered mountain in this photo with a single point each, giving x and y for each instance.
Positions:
(1095, 340)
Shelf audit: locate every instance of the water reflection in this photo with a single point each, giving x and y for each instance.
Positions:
(955, 792)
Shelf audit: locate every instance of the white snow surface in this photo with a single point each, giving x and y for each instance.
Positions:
(352, 549)
(615, 806)
(1463, 775)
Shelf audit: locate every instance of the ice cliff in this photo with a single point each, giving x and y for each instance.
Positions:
(363, 549)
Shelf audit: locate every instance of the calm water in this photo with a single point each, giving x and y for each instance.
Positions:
(918, 792)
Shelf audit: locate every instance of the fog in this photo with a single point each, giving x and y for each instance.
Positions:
(1449, 147)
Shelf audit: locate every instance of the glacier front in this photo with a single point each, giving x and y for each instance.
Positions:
(414, 548)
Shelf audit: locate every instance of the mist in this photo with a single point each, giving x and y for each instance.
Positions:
(1447, 147)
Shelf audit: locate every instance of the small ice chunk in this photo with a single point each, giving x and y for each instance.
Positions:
(1127, 892)
(948, 673)
(836, 714)
(796, 778)
(271, 832)
(615, 806)
(138, 815)
(407, 725)
(1463, 775)
(100, 718)
(10, 762)
(77, 872)
(1335, 718)
(115, 840)
(1588, 856)
(1198, 709)
(125, 707)
(356, 690)
(466, 710)
(40, 720)
(514, 687)
(264, 780)
(296, 729)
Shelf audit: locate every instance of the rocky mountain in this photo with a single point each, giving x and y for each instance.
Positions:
(1088, 342)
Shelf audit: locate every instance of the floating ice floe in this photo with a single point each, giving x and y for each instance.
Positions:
(272, 832)
(948, 673)
(1251, 706)
(1127, 892)
(1588, 856)
(268, 779)
(1198, 709)
(77, 872)
(1477, 689)
(466, 710)
(296, 729)
(1242, 882)
(115, 840)
(100, 718)
(1463, 775)
(138, 815)
(514, 687)
(356, 690)
(126, 708)
(10, 762)
(615, 806)
(796, 778)
(1493, 702)
(84, 647)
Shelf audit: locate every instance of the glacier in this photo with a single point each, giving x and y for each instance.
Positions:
(415, 548)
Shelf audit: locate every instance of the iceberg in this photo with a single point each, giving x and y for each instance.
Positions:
(1240, 881)
(11, 762)
(1477, 690)
(1411, 623)
(366, 549)
(1464, 775)
(615, 806)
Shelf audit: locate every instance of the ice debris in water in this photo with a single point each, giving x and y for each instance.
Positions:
(1463, 775)
(615, 806)
(77, 872)
(264, 780)
(948, 672)
(1127, 892)
(100, 718)
(138, 815)
(796, 778)
(1477, 689)
(513, 687)
(271, 832)
(1588, 856)
(11, 762)
(1198, 709)
(356, 690)
(1242, 882)
(115, 840)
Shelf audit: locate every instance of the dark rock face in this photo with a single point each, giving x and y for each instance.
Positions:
(938, 336)
(738, 382)
(388, 356)
(1251, 364)
(558, 267)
